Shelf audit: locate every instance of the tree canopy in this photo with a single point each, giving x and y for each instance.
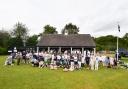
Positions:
(109, 42)
(49, 30)
(32, 40)
(70, 28)
(4, 37)
(20, 30)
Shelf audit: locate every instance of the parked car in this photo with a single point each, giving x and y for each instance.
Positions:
(123, 52)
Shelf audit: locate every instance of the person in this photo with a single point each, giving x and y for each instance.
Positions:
(108, 62)
(35, 61)
(19, 57)
(111, 62)
(55, 61)
(117, 55)
(115, 63)
(79, 60)
(71, 63)
(52, 61)
(104, 58)
(46, 59)
(13, 57)
(68, 60)
(9, 60)
(24, 56)
(83, 61)
(65, 61)
(88, 59)
(62, 60)
(58, 59)
(100, 58)
(75, 61)
(96, 62)
(92, 60)
(41, 62)
(27, 57)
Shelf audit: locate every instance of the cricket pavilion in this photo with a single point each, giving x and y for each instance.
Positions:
(61, 42)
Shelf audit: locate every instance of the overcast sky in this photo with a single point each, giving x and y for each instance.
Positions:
(95, 17)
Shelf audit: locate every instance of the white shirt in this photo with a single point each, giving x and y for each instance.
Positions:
(58, 57)
(53, 56)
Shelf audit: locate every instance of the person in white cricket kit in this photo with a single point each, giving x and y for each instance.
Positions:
(96, 62)
(92, 61)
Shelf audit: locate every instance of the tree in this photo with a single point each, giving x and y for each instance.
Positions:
(110, 42)
(49, 30)
(32, 40)
(15, 42)
(125, 36)
(20, 31)
(4, 37)
(106, 43)
(70, 28)
(125, 39)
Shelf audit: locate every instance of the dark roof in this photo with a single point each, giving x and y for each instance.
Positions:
(74, 40)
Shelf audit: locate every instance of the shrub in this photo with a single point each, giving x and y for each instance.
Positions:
(3, 51)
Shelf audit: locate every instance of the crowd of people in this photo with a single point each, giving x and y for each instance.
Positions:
(69, 61)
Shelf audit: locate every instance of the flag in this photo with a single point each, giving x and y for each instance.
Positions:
(118, 27)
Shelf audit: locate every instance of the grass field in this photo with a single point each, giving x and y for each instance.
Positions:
(27, 77)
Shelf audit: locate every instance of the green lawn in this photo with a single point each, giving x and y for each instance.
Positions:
(27, 77)
(124, 59)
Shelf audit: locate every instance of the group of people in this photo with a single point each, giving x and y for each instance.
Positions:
(69, 61)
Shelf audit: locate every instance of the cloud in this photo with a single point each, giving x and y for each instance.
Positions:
(97, 17)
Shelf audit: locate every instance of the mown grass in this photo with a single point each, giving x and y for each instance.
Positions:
(26, 77)
(125, 59)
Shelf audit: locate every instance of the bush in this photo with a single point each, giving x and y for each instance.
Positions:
(3, 51)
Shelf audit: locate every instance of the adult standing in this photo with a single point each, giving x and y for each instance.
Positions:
(75, 61)
(71, 63)
(83, 61)
(88, 58)
(96, 62)
(19, 57)
(92, 61)
(24, 56)
(79, 60)
(52, 61)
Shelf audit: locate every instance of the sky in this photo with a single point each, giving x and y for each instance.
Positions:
(95, 17)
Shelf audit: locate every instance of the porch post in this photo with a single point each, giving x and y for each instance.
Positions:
(71, 49)
(37, 49)
(94, 49)
(48, 49)
(82, 50)
(59, 49)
